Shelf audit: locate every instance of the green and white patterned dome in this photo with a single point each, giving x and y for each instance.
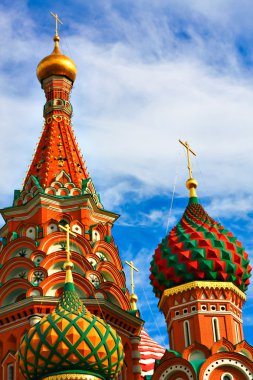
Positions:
(70, 340)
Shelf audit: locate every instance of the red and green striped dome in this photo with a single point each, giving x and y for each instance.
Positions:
(70, 340)
(198, 248)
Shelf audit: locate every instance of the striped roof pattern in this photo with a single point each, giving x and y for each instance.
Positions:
(149, 351)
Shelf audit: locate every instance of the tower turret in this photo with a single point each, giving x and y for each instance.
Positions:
(58, 191)
(200, 272)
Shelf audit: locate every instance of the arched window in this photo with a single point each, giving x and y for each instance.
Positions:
(95, 235)
(237, 335)
(227, 376)
(187, 334)
(63, 222)
(10, 372)
(31, 233)
(216, 330)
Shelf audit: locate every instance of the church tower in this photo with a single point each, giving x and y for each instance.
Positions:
(58, 192)
(200, 273)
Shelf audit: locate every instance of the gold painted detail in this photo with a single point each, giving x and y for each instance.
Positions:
(72, 376)
(58, 118)
(201, 284)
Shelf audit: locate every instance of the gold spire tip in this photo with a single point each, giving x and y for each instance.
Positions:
(191, 183)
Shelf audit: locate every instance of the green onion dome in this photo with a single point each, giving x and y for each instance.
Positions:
(198, 248)
(70, 340)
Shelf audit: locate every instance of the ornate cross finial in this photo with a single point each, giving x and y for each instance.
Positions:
(67, 229)
(56, 22)
(132, 268)
(188, 151)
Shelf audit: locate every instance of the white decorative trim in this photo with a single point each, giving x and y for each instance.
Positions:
(227, 362)
(231, 377)
(169, 371)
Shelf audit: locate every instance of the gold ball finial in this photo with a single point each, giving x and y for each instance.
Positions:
(191, 185)
(56, 64)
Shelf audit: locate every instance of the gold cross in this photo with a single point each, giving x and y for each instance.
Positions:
(188, 151)
(132, 268)
(56, 22)
(67, 229)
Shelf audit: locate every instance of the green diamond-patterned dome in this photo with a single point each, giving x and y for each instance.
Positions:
(198, 248)
(70, 339)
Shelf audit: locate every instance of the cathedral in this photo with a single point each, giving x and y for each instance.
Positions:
(66, 312)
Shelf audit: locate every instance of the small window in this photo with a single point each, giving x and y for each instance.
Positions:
(213, 307)
(95, 235)
(193, 308)
(177, 313)
(10, 372)
(63, 222)
(216, 330)
(237, 335)
(187, 334)
(227, 376)
(203, 307)
(185, 311)
(31, 233)
(77, 229)
(223, 307)
(52, 228)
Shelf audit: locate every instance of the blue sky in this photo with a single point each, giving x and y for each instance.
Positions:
(148, 74)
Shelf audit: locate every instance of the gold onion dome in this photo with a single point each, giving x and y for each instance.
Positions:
(70, 342)
(56, 64)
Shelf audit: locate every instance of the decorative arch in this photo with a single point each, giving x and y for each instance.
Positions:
(174, 368)
(111, 273)
(13, 266)
(245, 349)
(196, 348)
(58, 258)
(20, 243)
(9, 362)
(110, 251)
(227, 361)
(56, 281)
(12, 289)
(116, 295)
(222, 345)
(54, 238)
(37, 257)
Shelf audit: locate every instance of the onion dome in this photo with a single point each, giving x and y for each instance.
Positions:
(198, 248)
(56, 64)
(70, 340)
(150, 351)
